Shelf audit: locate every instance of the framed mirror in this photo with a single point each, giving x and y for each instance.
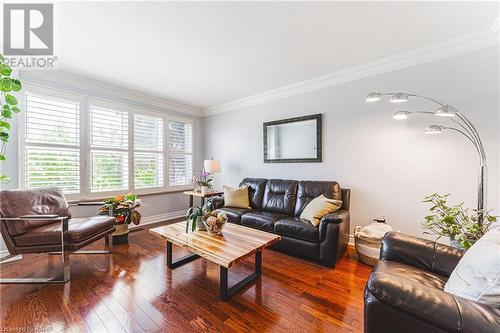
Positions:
(293, 140)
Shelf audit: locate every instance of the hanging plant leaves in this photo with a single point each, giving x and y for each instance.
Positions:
(10, 99)
(6, 112)
(6, 84)
(4, 124)
(4, 136)
(16, 85)
(5, 69)
(15, 109)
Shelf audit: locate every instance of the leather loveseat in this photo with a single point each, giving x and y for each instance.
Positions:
(405, 291)
(276, 205)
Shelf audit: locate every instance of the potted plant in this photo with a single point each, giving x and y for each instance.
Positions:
(204, 183)
(195, 214)
(125, 212)
(8, 107)
(460, 225)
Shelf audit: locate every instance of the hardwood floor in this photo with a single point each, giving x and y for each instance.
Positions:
(133, 291)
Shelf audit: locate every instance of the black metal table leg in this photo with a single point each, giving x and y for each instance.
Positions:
(202, 201)
(190, 201)
(226, 292)
(179, 262)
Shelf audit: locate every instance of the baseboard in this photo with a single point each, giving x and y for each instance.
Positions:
(4, 253)
(159, 218)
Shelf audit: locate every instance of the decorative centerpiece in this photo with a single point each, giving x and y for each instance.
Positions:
(125, 212)
(462, 227)
(214, 221)
(204, 183)
(205, 218)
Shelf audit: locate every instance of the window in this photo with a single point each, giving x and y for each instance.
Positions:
(52, 143)
(148, 151)
(108, 149)
(180, 155)
(93, 148)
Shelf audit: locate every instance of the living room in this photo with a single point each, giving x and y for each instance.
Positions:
(250, 166)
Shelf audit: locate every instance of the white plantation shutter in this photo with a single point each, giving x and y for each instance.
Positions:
(52, 143)
(148, 151)
(180, 156)
(108, 149)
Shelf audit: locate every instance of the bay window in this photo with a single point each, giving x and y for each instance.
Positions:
(93, 148)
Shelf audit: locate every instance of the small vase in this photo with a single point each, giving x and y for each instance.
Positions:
(120, 235)
(200, 226)
(205, 190)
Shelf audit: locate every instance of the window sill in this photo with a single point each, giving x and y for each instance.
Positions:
(139, 194)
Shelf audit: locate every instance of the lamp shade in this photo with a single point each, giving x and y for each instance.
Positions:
(212, 166)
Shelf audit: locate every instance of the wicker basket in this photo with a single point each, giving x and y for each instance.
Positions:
(368, 241)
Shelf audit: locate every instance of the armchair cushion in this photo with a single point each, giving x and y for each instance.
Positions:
(79, 230)
(46, 201)
(477, 275)
(418, 293)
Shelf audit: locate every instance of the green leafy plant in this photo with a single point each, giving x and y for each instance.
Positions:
(196, 212)
(461, 225)
(8, 107)
(124, 208)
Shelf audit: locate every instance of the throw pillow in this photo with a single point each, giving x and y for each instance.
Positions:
(236, 197)
(319, 207)
(477, 275)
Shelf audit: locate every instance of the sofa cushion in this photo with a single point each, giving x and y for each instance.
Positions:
(477, 274)
(236, 197)
(79, 230)
(256, 188)
(234, 214)
(318, 208)
(308, 190)
(261, 220)
(411, 274)
(280, 196)
(297, 228)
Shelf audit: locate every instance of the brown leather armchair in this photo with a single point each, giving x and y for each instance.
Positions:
(39, 221)
(405, 292)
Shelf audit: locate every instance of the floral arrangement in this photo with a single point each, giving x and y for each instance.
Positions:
(460, 225)
(205, 180)
(124, 208)
(196, 213)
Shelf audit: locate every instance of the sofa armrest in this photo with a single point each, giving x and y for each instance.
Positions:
(336, 217)
(431, 305)
(418, 252)
(217, 202)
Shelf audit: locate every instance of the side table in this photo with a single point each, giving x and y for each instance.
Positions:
(202, 197)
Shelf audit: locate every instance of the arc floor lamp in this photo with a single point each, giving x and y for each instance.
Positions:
(461, 124)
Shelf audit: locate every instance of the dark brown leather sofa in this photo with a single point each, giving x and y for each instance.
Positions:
(276, 205)
(404, 293)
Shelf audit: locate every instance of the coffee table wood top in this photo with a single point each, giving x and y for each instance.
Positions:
(235, 243)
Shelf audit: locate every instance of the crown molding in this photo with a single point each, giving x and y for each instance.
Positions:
(449, 48)
(98, 89)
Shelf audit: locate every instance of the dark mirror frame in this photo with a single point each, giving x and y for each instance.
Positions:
(318, 117)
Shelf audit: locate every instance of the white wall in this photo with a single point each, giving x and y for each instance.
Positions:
(389, 165)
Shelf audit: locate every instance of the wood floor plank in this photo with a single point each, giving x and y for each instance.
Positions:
(132, 290)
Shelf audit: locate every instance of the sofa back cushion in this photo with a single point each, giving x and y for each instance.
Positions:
(43, 201)
(280, 196)
(308, 190)
(256, 188)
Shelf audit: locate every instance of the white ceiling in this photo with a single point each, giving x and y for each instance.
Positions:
(205, 54)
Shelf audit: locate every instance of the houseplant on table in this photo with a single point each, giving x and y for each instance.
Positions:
(204, 182)
(459, 224)
(125, 212)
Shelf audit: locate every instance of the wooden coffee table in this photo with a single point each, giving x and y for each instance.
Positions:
(235, 243)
